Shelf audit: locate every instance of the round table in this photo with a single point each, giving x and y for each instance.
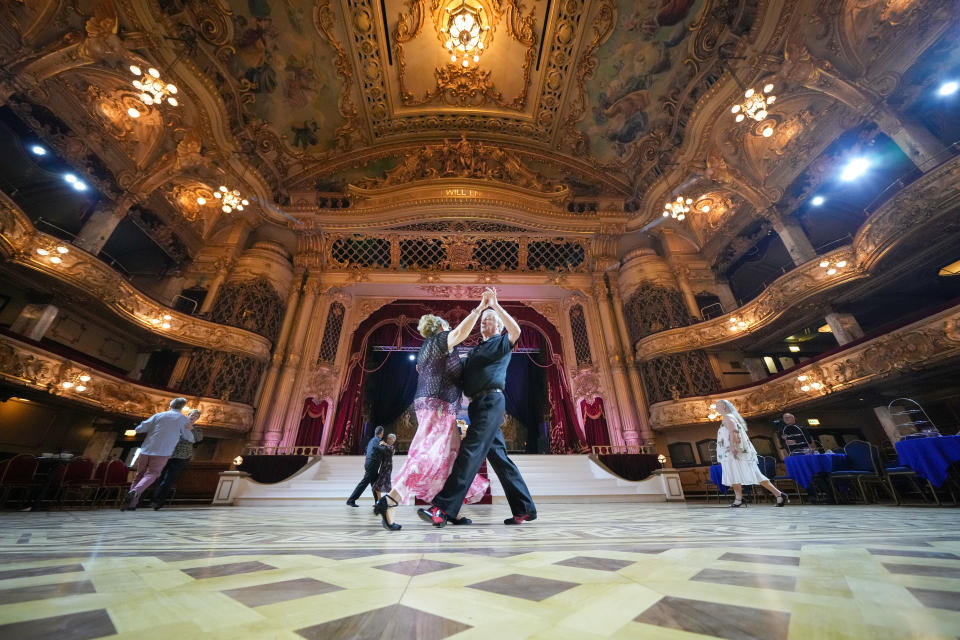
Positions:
(930, 457)
(802, 467)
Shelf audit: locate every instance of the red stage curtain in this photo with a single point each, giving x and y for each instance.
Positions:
(311, 423)
(595, 422)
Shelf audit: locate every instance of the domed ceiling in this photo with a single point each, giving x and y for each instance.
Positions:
(589, 92)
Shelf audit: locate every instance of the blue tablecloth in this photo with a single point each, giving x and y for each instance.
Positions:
(802, 468)
(716, 475)
(930, 457)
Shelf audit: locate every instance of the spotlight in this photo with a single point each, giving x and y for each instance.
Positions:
(69, 177)
(412, 357)
(854, 169)
(37, 150)
(79, 186)
(817, 201)
(949, 88)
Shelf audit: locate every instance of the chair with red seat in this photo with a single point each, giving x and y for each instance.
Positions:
(78, 478)
(115, 480)
(18, 475)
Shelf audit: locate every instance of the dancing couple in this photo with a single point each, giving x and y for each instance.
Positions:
(440, 468)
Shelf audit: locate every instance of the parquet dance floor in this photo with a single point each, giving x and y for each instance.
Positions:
(579, 572)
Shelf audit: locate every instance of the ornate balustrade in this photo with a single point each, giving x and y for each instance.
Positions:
(29, 366)
(281, 451)
(22, 244)
(500, 248)
(916, 346)
(932, 198)
(609, 449)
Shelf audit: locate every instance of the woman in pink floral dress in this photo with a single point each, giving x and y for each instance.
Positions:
(435, 445)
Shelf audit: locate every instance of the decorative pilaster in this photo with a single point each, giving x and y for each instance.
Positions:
(636, 386)
(284, 386)
(615, 357)
(270, 380)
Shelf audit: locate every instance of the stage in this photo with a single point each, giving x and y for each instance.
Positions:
(581, 571)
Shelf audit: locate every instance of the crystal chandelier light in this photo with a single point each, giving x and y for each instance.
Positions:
(152, 89)
(678, 208)
(754, 106)
(466, 30)
(230, 199)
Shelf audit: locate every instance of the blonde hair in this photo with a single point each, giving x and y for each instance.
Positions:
(430, 325)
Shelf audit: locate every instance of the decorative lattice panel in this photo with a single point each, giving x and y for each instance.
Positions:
(680, 375)
(555, 255)
(364, 252)
(498, 255)
(581, 343)
(252, 304)
(422, 253)
(652, 308)
(225, 376)
(331, 333)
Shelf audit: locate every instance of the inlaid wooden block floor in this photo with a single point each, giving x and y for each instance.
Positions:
(578, 572)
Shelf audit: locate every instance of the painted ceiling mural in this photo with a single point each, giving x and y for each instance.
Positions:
(637, 66)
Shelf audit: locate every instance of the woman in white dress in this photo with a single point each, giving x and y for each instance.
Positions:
(738, 458)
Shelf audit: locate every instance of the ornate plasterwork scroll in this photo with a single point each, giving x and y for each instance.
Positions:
(29, 366)
(19, 242)
(921, 345)
(324, 19)
(464, 159)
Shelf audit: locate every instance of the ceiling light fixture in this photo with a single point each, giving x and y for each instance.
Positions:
(793, 348)
(152, 89)
(832, 267)
(53, 254)
(754, 106)
(466, 29)
(230, 198)
(713, 415)
(736, 324)
(854, 169)
(677, 209)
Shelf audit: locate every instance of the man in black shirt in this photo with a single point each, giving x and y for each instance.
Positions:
(484, 378)
(371, 467)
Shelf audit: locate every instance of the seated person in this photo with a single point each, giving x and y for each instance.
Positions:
(793, 437)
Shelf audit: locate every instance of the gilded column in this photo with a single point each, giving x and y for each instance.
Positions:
(270, 381)
(223, 267)
(284, 386)
(636, 386)
(179, 370)
(625, 404)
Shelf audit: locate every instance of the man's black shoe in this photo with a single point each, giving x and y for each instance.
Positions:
(157, 506)
(463, 520)
(353, 503)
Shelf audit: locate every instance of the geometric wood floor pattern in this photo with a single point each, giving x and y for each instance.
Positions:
(580, 571)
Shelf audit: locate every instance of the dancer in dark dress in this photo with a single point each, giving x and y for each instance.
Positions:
(382, 485)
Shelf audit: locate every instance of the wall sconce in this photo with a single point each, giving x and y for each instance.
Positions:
(77, 382)
(807, 383)
(736, 324)
(54, 253)
(162, 321)
(832, 267)
(662, 459)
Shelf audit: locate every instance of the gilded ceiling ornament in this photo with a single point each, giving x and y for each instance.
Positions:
(464, 159)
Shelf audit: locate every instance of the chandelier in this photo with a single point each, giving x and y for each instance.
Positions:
(754, 106)
(678, 208)
(809, 384)
(230, 199)
(714, 414)
(152, 89)
(466, 29)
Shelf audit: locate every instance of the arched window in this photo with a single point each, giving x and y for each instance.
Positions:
(581, 343)
(331, 333)
(681, 454)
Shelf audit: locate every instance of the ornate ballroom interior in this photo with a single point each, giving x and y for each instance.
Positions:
(250, 205)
